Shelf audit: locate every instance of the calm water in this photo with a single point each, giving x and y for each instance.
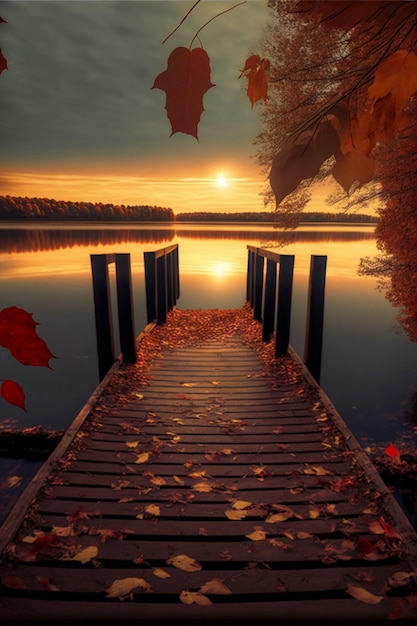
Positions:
(368, 369)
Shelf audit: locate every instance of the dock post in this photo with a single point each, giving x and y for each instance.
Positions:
(125, 308)
(285, 283)
(150, 285)
(249, 277)
(103, 312)
(161, 289)
(315, 315)
(259, 285)
(170, 290)
(269, 299)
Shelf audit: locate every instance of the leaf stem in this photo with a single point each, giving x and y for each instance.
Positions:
(182, 21)
(214, 17)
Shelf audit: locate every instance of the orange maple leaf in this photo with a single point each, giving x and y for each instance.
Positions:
(185, 81)
(256, 71)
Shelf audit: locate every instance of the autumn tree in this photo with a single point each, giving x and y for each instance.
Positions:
(331, 101)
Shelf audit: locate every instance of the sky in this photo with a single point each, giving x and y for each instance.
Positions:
(79, 120)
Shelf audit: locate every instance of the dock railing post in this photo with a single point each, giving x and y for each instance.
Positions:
(269, 299)
(259, 286)
(315, 315)
(162, 282)
(125, 308)
(285, 283)
(161, 290)
(150, 285)
(103, 312)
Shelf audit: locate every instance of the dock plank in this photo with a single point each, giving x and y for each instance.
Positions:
(222, 456)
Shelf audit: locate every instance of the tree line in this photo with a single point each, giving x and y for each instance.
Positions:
(24, 208)
(38, 209)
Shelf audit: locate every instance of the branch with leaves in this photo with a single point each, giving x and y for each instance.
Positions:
(188, 78)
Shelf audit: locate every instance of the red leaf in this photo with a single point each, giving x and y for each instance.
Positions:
(13, 393)
(185, 81)
(392, 451)
(3, 61)
(18, 334)
(256, 71)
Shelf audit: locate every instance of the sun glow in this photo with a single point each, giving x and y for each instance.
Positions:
(221, 181)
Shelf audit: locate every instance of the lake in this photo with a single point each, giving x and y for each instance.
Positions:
(368, 365)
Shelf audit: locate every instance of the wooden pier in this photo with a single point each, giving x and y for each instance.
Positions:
(209, 479)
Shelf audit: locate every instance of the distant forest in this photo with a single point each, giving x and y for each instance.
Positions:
(17, 208)
(44, 209)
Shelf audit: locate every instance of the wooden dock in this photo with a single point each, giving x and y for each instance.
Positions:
(208, 480)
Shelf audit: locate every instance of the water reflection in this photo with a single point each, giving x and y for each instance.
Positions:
(19, 239)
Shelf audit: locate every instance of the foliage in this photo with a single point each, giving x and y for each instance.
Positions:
(14, 208)
(188, 78)
(396, 232)
(18, 335)
(342, 75)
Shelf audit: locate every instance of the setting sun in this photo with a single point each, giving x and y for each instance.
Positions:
(221, 180)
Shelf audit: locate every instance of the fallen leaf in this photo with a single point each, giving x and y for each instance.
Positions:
(194, 597)
(317, 470)
(241, 504)
(85, 555)
(139, 396)
(63, 531)
(122, 587)
(178, 480)
(131, 444)
(256, 535)
(398, 579)
(153, 509)
(160, 573)
(202, 487)
(13, 481)
(227, 451)
(142, 458)
(13, 393)
(184, 562)
(212, 456)
(280, 544)
(235, 514)
(158, 481)
(215, 586)
(314, 513)
(363, 595)
(12, 582)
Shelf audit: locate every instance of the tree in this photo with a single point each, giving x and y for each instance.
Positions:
(333, 95)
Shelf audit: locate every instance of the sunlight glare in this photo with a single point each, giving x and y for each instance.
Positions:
(221, 180)
(221, 269)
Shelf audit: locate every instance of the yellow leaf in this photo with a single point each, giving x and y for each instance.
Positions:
(317, 470)
(161, 573)
(131, 444)
(122, 587)
(215, 585)
(314, 513)
(189, 384)
(13, 481)
(194, 597)
(227, 451)
(63, 531)
(153, 509)
(278, 517)
(241, 504)
(202, 487)
(197, 474)
(235, 515)
(178, 480)
(363, 595)
(376, 528)
(185, 563)
(142, 458)
(32, 538)
(257, 535)
(215, 382)
(158, 480)
(139, 396)
(85, 555)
